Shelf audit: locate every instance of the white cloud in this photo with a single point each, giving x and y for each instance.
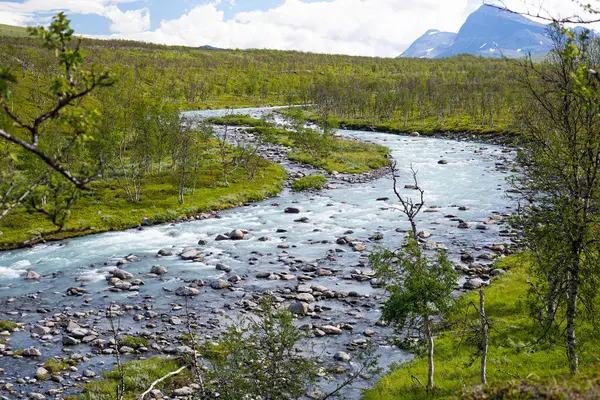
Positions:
(358, 27)
(27, 12)
(131, 21)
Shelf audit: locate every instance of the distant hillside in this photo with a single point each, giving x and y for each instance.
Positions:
(9, 30)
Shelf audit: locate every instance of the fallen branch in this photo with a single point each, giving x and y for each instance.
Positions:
(156, 382)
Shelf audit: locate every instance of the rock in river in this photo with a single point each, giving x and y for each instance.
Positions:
(187, 291)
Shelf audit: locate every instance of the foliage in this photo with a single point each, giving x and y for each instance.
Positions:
(260, 358)
(561, 184)
(515, 351)
(134, 341)
(139, 375)
(56, 366)
(6, 325)
(315, 182)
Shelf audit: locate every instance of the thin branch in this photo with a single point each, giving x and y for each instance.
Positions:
(156, 382)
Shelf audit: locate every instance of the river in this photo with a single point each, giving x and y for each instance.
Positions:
(473, 178)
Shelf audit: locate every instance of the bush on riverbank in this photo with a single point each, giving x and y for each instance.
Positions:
(515, 353)
(315, 182)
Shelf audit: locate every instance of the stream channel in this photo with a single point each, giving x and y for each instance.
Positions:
(471, 187)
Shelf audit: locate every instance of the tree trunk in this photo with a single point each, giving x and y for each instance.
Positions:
(430, 369)
(484, 337)
(571, 315)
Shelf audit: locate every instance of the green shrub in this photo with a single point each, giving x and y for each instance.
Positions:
(134, 341)
(309, 182)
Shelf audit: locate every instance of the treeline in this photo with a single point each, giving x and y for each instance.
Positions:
(463, 92)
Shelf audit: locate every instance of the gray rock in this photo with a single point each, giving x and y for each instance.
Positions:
(474, 283)
(187, 291)
(223, 267)
(299, 307)
(221, 237)
(158, 270)
(292, 210)
(190, 254)
(32, 352)
(32, 276)
(121, 274)
(70, 341)
(341, 356)
(236, 234)
(165, 252)
(219, 284)
(305, 297)
(331, 330)
(41, 373)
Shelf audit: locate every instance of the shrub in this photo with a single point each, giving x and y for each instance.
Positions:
(309, 182)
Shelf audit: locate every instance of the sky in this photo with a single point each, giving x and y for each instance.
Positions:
(382, 28)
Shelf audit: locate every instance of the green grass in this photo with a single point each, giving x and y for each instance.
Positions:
(134, 341)
(14, 31)
(6, 325)
(106, 207)
(345, 156)
(513, 354)
(309, 182)
(138, 377)
(55, 366)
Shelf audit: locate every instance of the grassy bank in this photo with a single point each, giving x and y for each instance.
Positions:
(344, 156)
(427, 127)
(106, 207)
(515, 361)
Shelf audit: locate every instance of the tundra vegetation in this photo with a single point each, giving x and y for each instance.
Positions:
(95, 141)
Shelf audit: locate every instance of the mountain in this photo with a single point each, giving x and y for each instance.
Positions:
(491, 32)
(430, 45)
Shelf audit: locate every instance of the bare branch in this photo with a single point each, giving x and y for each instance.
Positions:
(156, 382)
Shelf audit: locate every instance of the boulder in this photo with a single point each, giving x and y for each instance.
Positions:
(165, 252)
(221, 237)
(341, 356)
(331, 330)
(32, 352)
(158, 270)
(219, 284)
(305, 297)
(223, 267)
(32, 276)
(292, 210)
(236, 234)
(190, 254)
(121, 274)
(299, 307)
(187, 291)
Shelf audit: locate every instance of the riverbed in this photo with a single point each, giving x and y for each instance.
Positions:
(280, 253)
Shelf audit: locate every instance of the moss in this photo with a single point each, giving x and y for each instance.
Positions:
(139, 375)
(309, 182)
(6, 325)
(55, 366)
(513, 351)
(19, 352)
(134, 341)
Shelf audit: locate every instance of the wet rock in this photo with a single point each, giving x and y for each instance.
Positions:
(41, 373)
(299, 307)
(424, 235)
(88, 373)
(377, 236)
(292, 210)
(464, 225)
(32, 276)
(264, 239)
(121, 274)
(382, 199)
(36, 396)
(341, 356)
(359, 247)
(219, 284)
(443, 162)
(223, 267)
(331, 330)
(165, 252)
(236, 234)
(467, 258)
(304, 220)
(191, 254)
(221, 237)
(32, 352)
(464, 208)
(305, 297)
(474, 283)
(158, 270)
(187, 291)
(481, 227)
(496, 272)
(76, 291)
(70, 341)
(202, 242)
(146, 221)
